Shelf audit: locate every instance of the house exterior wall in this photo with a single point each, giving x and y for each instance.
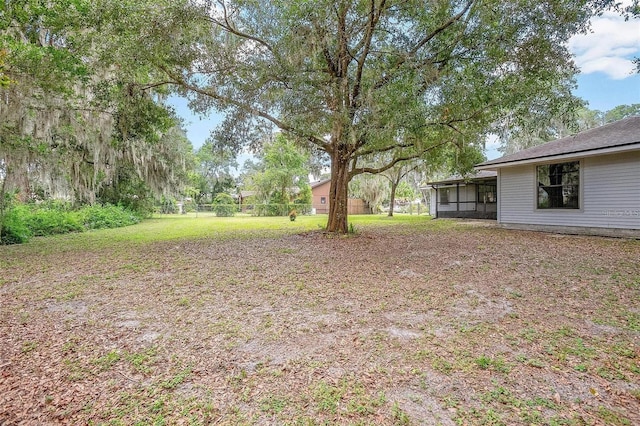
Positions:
(317, 193)
(609, 195)
(432, 202)
(354, 205)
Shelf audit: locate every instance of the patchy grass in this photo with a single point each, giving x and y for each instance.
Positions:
(206, 320)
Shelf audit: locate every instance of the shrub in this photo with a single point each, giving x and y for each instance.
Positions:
(271, 209)
(107, 216)
(14, 227)
(22, 221)
(50, 221)
(223, 205)
(168, 206)
(301, 207)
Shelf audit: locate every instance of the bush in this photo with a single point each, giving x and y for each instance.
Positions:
(22, 221)
(301, 207)
(14, 227)
(271, 209)
(107, 216)
(50, 221)
(168, 206)
(224, 205)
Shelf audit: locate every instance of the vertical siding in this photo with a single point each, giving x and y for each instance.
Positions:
(610, 195)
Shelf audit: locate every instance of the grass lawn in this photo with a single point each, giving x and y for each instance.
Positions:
(260, 321)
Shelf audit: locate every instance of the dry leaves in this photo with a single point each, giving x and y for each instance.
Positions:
(398, 325)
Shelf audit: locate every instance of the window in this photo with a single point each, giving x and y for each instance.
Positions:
(323, 200)
(559, 185)
(487, 193)
(444, 195)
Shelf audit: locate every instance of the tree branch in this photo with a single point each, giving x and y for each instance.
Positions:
(441, 28)
(374, 18)
(153, 85)
(420, 44)
(227, 25)
(396, 160)
(178, 80)
(381, 150)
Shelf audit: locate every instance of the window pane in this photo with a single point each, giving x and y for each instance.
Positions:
(444, 196)
(487, 193)
(559, 185)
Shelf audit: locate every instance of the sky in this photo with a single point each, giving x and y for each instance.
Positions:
(604, 57)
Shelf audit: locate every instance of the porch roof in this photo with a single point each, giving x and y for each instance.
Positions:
(479, 176)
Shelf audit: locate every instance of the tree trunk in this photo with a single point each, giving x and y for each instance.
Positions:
(392, 198)
(338, 194)
(3, 204)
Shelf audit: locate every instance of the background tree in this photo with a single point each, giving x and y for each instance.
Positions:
(74, 121)
(281, 175)
(215, 161)
(395, 175)
(541, 129)
(621, 111)
(285, 168)
(351, 77)
(373, 189)
(167, 168)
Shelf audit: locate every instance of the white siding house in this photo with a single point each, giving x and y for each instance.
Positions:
(586, 183)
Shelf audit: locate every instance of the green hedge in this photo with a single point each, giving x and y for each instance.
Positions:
(108, 216)
(14, 227)
(48, 221)
(280, 209)
(23, 221)
(224, 206)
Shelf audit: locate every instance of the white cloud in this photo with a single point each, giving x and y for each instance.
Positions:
(615, 67)
(609, 47)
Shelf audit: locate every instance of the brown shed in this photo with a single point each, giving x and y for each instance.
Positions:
(320, 199)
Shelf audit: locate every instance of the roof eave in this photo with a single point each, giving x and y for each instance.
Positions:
(319, 183)
(471, 180)
(635, 146)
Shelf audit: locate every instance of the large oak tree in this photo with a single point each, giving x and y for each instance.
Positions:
(358, 77)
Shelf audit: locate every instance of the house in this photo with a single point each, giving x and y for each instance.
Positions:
(472, 197)
(244, 200)
(586, 183)
(320, 195)
(320, 200)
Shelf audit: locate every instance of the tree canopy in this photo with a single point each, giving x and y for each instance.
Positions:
(213, 173)
(74, 121)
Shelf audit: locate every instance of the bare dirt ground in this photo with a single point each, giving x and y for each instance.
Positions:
(424, 325)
